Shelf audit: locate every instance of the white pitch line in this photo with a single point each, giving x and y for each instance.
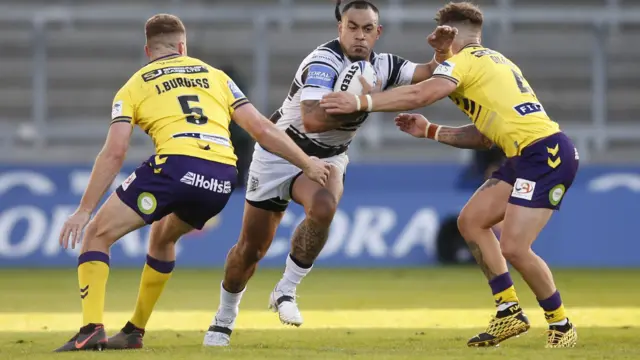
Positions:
(321, 319)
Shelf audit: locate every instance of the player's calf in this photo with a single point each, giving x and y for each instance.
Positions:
(258, 229)
(307, 243)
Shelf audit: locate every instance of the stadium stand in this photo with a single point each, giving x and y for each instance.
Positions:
(88, 60)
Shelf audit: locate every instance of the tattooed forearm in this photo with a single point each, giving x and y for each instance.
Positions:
(316, 119)
(477, 254)
(463, 137)
(308, 240)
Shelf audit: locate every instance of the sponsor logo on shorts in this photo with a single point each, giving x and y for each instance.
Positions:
(253, 184)
(116, 110)
(523, 189)
(215, 185)
(128, 181)
(556, 194)
(147, 203)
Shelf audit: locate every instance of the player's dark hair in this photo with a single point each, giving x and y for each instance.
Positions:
(356, 4)
(460, 12)
(163, 24)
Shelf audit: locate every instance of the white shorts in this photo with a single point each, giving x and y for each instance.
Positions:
(271, 178)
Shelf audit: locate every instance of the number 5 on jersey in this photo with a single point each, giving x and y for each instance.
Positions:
(195, 115)
(524, 89)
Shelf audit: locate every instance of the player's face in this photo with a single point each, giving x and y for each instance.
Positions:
(359, 30)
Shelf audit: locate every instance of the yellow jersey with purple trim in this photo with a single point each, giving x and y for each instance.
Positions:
(184, 104)
(492, 91)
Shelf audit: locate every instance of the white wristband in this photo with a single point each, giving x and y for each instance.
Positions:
(369, 103)
(435, 137)
(358, 104)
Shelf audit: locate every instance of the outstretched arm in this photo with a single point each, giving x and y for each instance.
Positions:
(402, 98)
(410, 97)
(278, 142)
(463, 137)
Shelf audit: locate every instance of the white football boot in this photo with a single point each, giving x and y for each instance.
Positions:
(284, 303)
(219, 334)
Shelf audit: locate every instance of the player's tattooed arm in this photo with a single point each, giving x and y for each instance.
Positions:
(316, 120)
(463, 137)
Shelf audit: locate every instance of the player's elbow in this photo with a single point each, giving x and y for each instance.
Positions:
(259, 130)
(115, 153)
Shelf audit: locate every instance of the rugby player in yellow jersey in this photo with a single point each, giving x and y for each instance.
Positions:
(542, 163)
(186, 106)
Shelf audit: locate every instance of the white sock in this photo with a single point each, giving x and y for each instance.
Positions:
(293, 275)
(228, 309)
(505, 306)
(560, 323)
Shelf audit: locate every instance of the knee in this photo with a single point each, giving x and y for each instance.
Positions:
(249, 253)
(95, 234)
(323, 207)
(465, 224)
(513, 252)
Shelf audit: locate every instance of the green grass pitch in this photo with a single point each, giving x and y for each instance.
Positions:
(349, 314)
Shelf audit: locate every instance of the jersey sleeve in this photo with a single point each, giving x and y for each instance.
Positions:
(123, 107)
(455, 69)
(400, 71)
(234, 97)
(319, 74)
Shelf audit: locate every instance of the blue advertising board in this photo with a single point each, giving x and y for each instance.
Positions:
(389, 216)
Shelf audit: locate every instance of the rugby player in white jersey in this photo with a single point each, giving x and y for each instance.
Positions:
(273, 181)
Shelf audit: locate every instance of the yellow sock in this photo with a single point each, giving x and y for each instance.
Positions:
(155, 275)
(506, 296)
(554, 311)
(556, 315)
(93, 272)
(502, 289)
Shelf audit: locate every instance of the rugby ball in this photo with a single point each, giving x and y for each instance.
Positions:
(349, 78)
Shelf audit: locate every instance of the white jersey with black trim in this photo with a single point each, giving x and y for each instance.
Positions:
(316, 76)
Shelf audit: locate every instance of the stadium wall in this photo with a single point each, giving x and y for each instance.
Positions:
(389, 216)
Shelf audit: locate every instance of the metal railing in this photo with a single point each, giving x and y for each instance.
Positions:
(500, 18)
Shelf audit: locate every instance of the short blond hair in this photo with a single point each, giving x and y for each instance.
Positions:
(460, 12)
(163, 24)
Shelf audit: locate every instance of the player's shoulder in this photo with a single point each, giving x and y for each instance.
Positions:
(389, 61)
(375, 57)
(464, 59)
(329, 53)
(477, 53)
